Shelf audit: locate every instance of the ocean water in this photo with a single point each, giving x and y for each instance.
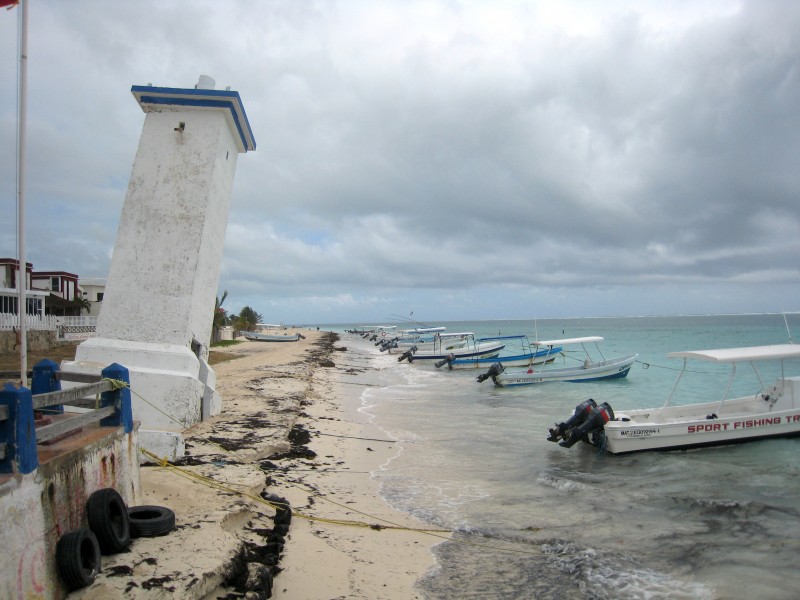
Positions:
(535, 520)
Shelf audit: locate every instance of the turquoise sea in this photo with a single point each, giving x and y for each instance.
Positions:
(536, 520)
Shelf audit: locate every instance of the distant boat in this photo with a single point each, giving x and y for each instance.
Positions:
(519, 352)
(588, 370)
(263, 337)
(773, 411)
(444, 345)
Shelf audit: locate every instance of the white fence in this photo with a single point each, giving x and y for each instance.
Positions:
(67, 328)
(9, 321)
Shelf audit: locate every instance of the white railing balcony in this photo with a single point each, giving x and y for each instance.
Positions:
(9, 321)
(82, 321)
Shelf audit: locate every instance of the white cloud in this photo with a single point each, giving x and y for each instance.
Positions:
(465, 158)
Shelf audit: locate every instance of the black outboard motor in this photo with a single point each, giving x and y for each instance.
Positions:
(598, 417)
(389, 344)
(582, 411)
(408, 354)
(446, 361)
(493, 372)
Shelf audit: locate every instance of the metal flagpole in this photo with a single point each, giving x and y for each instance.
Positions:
(22, 279)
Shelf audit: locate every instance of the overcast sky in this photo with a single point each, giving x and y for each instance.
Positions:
(458, 159)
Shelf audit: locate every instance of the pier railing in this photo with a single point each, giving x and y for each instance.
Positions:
(19, 433)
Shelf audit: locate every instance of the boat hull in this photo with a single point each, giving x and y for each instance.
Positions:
(610, 369)
(262, 337)
(466, 352)
(517, 360)
(683, 427)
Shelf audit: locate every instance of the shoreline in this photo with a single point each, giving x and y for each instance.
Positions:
(376, 561)
(290, 427)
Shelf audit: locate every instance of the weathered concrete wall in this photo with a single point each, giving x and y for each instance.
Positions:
(168, 253)
(36, 509)
(39, 340)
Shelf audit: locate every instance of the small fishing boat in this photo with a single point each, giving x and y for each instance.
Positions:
(254, 336)
(519, 352)
(588, 370)
(459, 345)
(772, 411)
(405, 338)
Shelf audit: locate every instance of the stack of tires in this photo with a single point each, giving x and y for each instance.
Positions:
(112, 525)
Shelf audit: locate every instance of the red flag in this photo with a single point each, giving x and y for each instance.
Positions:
(9, 4)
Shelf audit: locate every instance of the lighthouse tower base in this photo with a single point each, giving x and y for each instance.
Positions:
(172, 388)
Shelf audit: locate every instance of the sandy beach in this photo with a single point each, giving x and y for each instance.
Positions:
(289, 430)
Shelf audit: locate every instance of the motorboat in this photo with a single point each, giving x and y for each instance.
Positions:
(254, 336)
(455, 345)
(772, 411)
(587, 370)
(519, 352)
(405, 338)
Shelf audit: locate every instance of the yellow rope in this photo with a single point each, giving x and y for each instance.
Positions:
(437, 533)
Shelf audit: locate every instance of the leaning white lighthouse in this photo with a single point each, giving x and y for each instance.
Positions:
(160, 294)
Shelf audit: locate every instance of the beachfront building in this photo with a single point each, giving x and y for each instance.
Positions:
(63, 293)
(93, 290)
(56, 301)
(9, 295)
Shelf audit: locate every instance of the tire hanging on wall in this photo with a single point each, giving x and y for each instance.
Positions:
(78, 558)
(108, 519)
(150, 521)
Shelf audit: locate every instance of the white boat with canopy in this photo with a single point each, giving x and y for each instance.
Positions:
(589, 369)
(519, 352)
(445, 345)
(772, 411)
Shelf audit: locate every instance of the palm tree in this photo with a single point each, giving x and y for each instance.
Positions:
(247, 320)
(220, 316)
(83, 304)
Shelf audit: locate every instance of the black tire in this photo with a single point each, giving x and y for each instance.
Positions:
(151, 521)
(78, 558)
(108, 519)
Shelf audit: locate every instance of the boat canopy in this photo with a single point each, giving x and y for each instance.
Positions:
(731, 355)
(423, 330)
(462, 334)
(580, 340)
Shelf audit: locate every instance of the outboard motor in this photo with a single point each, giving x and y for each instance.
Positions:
(446, 360)
(493, 372)
(408, 354)
(598, 417)
(386, 345)
(582, 411)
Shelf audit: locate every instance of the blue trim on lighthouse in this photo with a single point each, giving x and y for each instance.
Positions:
(149, 96)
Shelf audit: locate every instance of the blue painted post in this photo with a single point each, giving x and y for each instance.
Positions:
(120, 398)
(44, 381)
(18, 431)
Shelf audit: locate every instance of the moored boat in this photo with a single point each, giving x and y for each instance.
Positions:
(589, 370)
(254, 336)
(519, 352)
(456, 345)
(772, 411)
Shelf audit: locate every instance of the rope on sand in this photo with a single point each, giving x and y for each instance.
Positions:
(443, 534)
(352, 437)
